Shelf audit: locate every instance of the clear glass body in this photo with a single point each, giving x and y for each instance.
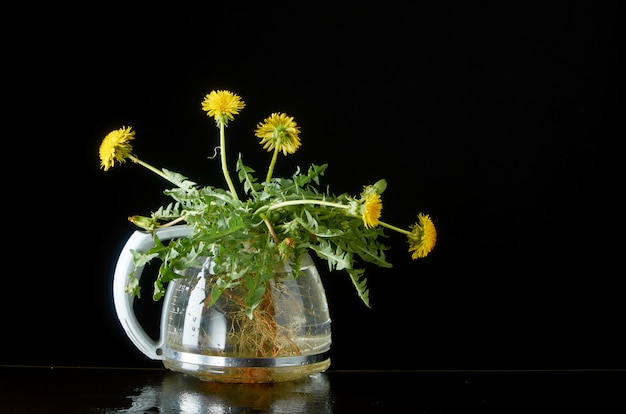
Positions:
(288, 336)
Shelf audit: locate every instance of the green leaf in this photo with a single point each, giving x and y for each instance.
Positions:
(250, 185)
(179, 179)
(337, 259)
(360, 283)
(216, 293)
(253, 299)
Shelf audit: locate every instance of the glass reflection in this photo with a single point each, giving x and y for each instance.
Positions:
(183, 394)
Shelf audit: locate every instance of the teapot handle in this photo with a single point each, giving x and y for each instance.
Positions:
(142, 242)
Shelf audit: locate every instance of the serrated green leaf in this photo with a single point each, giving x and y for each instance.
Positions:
(248, 180)
(179, 179)
(360, 283)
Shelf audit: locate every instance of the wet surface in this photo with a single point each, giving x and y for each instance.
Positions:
(107, 390)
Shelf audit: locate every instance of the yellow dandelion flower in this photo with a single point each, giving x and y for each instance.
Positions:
(371, 210)
(423, 237)
(222, 106)
(279, 131)
(116, 147)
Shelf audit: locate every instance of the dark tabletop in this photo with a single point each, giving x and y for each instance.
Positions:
(109, 390)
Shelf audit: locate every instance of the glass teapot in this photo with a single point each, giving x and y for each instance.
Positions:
(287, 339)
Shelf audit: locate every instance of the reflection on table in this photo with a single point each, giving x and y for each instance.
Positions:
(182, 394)
(121, 390)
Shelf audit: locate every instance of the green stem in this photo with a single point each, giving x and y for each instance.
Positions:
(389, 226)
(323, 203)
(300, 202)
(270, 170)
(223, 157)
(173, 222)
(151, 168)
(270, 228)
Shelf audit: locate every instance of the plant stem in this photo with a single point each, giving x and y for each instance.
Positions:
(299, 202)
(223, 158)
(270, 228)
(151, 168)
(270, 170)
(398, 229)
(175, 221)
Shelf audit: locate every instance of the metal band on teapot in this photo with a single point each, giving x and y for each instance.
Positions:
(220, 361)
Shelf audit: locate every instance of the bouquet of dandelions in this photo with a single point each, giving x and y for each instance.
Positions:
(277, 221)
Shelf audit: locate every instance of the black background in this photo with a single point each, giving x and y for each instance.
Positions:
(498, 119)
